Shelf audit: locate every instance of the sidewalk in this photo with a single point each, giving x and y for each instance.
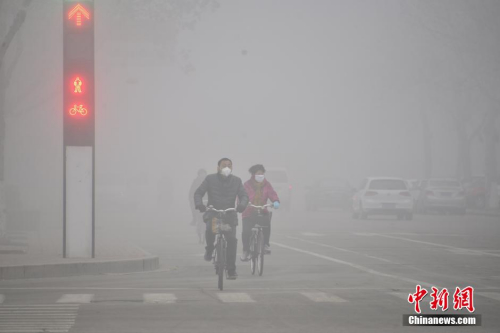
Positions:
(38, 254)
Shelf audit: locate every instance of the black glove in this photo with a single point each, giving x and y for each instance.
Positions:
(241, 208)
(201, 208)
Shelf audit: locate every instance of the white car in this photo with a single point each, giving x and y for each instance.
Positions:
(278, 177)
(383, 196)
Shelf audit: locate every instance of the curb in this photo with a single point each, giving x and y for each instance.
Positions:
(150, 263)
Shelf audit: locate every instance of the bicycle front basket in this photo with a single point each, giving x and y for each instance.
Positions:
(214, 225)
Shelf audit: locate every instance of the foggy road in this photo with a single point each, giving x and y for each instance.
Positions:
(122, 120)
(326, 273)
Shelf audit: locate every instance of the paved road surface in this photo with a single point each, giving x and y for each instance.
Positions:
(327, 273)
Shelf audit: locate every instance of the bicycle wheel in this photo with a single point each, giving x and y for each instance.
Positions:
(221, 263)
(253, 258)
(260, 257)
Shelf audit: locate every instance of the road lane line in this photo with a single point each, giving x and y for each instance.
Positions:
(159, 298)
(362, 268)
(76, 298)
(460, 250)
(235, 298)
(312, 234)
(323, 297)
(495, 296)
(341, 249)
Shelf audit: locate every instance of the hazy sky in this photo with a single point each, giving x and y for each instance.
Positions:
(319, 87)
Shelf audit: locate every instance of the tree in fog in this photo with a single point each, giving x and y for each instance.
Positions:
(7, 35)
(469, 31)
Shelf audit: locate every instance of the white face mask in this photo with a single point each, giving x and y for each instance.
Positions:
(259, 178)
(225, 171)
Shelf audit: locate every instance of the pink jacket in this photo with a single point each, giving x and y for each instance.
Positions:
(268, 193)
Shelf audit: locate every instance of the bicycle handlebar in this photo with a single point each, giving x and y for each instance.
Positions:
(261, 207)
(211, 208)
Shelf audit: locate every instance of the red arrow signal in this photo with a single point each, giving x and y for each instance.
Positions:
(79, 10)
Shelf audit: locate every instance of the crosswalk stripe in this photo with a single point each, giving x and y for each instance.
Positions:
(6, 311)
(41, 320)
(159, 298)
(235, 298)
(76, 298)
(40, 306)
(323, 297)
(42, 326)
(33, 331)
(495, 296)
(37, 318)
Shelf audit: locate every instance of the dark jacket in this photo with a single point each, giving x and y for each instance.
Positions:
(222, 193)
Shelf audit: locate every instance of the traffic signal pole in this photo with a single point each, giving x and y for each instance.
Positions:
(79, 130)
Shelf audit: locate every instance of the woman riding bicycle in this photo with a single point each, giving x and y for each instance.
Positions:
(259, 191)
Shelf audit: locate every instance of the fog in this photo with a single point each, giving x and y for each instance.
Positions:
(321, 88)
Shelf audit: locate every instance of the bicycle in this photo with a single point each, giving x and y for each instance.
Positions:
(219, 257)
(257, 246)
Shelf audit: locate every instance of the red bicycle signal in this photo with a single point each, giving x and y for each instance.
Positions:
(78, 109)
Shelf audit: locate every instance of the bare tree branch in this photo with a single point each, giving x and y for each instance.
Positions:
(14, 28)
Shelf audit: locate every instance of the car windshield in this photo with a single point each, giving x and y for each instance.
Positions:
(387, 184)
(277, 176)
(333, 183)
(444, 183)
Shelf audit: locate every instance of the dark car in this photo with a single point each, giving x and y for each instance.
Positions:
(329, 193)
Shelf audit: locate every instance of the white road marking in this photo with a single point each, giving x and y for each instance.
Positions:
(13, 314)
(2, 298)
(55, 306)
(323, 297)
(495, 296)
(312, 234)
(37, 318)
(48, 313)
(362, 268)
(41, 320)
(459, 249)
(235, 298)
(341, 249)
(33, 331)
(159, 298)
(277, 289)
(76, 298)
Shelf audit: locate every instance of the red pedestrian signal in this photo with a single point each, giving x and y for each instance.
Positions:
(78, 85)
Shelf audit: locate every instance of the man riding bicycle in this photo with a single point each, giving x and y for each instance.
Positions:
(260, 191)
(222, 189)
